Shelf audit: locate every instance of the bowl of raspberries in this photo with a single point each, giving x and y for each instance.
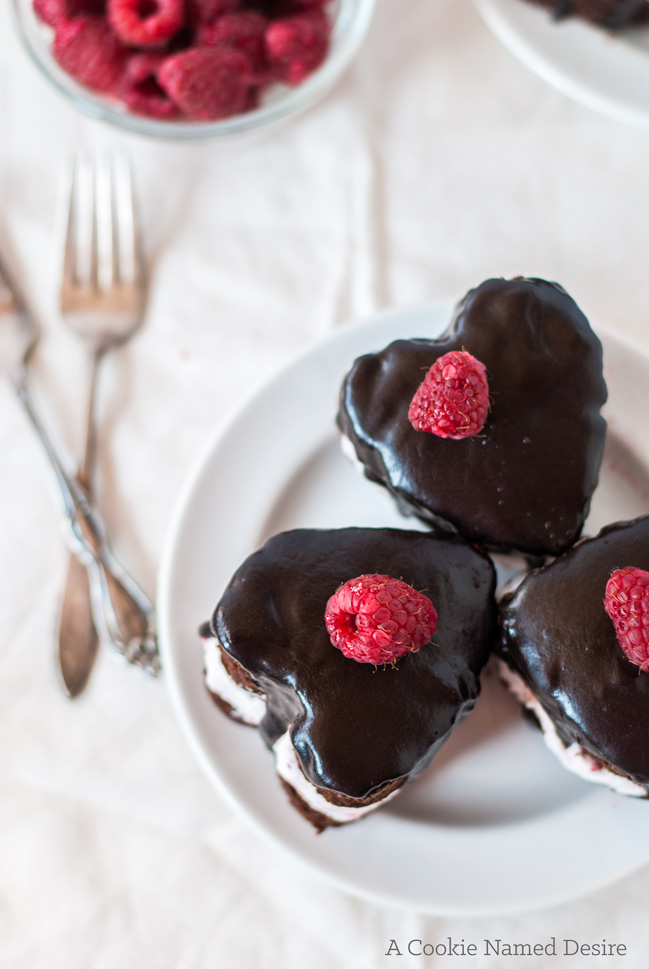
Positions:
(188, 69)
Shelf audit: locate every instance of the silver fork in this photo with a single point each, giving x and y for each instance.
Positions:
(102, 298)
(18, 337)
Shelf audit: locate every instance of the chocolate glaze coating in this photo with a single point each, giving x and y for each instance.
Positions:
(356, 727)
(608, 13)
(556, 635)
(526, 480)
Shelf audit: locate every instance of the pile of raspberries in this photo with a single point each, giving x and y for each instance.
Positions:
(196, 60)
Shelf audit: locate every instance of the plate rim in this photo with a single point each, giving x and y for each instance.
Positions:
(519, 43)
(174, 535)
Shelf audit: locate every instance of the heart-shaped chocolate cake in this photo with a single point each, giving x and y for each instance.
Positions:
(523, 479)
(347, 733)
(575, 644)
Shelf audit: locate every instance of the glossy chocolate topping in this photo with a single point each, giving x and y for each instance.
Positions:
(354, 726)
(526, 480)
(557, 636)
(608, 13)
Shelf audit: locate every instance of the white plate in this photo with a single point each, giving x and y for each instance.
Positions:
(605, 71)
(495, 825)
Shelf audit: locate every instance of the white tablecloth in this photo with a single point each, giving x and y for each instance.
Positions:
(438, 161)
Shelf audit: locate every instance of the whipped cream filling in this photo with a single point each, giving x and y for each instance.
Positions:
(288, 768)
(250, 708)
(247, 706)
(573, 757)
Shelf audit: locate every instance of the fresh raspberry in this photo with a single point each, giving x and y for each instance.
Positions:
(207, 83)
(53, 11)
(626, 601)
(377, 619)
(290, 8)
(296, 46)
(50, 11)
(87, 8)
(88, 50)
(207, 11)
(243, 31)
(253, 97)
(146, 23)
(453, 400)
(140, 91)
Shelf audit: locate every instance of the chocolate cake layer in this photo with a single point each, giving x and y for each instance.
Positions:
(319, 821)
(557, 637)
(526, 480)
(356, 727)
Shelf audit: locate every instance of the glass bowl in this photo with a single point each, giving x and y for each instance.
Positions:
(351, 19)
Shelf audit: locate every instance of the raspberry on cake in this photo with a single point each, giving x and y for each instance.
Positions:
(573, 643)
(627, 603)
(348, 734)
(378, 619)
(453, 399)
(522, 478)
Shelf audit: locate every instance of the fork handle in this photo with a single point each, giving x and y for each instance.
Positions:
(121, 609)
(77, 639)
(84, 472)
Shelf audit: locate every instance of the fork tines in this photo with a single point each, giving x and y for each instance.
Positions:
(102, 269)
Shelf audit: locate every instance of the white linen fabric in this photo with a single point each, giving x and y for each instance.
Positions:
(437, 161)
